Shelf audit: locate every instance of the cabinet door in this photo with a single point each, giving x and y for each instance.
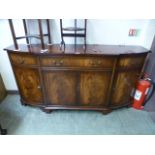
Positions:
(94, 88)
(60, 87)
(29, 84)
(123, 85)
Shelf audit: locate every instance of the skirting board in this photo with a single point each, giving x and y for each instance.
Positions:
(12, 92)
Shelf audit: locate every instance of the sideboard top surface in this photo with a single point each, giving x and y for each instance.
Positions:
(92, 49)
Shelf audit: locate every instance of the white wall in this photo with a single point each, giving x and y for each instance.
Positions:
(98, 32)
(148, 33)
(112, 32)
(6, 40)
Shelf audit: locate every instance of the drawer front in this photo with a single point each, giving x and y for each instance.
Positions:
(77, 62)
(132, 61)
(20, 59)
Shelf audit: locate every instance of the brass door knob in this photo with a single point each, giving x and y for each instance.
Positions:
(39, 87)
(59, 63)
(99, 62)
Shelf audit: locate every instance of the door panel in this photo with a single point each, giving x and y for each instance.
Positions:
(123, 85)
(60, 87)
(94, 88)
(29, 84)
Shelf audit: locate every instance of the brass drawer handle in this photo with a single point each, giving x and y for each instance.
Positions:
(58, 63)
(92, 63)
(20, 61)
(95, 63)
(99, 62)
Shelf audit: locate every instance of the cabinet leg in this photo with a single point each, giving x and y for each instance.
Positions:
(48, 111)
(129, 106)
(23, 103)
(3, 131)
(107, 111)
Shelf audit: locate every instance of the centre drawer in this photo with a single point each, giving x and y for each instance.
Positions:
(106, 62)
(23, 59)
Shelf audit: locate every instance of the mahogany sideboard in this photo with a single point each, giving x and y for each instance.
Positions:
(100, 78)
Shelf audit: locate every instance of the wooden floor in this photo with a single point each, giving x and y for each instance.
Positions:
(21, 120)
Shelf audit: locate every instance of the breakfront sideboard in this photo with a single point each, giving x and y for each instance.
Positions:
(101, 78)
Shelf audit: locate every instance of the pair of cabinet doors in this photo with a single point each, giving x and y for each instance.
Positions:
(63, 87)
(74, 88)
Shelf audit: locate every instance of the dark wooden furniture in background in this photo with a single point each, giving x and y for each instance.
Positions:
(27, 36)
(99, 78)
(3, 94)
(73, 31)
